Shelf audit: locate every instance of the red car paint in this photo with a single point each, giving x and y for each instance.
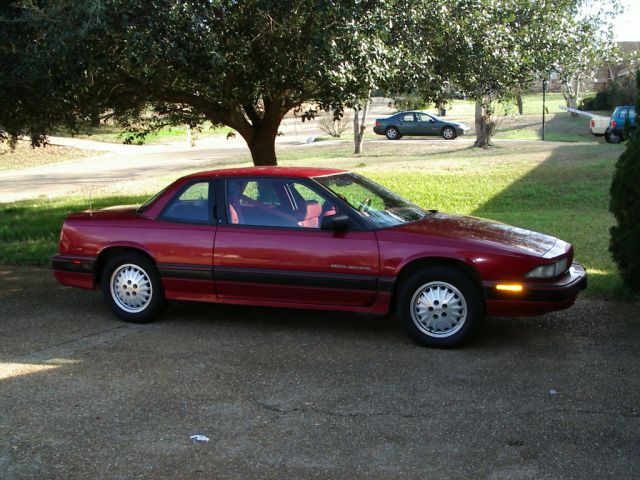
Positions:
(354, 270)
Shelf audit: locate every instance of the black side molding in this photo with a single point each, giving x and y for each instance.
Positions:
(69, 263)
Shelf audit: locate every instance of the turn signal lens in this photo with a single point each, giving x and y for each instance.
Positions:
(507, 287)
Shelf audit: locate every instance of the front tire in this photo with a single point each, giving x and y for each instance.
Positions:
(131, 287)
(392, 133)
(449, 133)
(439, 306)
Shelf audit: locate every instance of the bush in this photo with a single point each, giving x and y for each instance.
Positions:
(621, 91)
(625, 206)
(332, 126)
(599, 101)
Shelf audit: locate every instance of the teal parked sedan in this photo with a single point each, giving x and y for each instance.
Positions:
(418, 123)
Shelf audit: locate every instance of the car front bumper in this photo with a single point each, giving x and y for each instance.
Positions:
(536, 298)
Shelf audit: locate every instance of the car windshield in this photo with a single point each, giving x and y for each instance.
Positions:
(372, 201)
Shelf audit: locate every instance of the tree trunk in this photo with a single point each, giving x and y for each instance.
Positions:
(519, 103)
(263, 148)
(484, 124)
(95, 119)
(570, 91)
(261, 134)
(359, 125)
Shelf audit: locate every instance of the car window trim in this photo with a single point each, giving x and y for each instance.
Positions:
(359, 223)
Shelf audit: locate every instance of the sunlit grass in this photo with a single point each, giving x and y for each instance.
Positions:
(559, 189)
(110, 133)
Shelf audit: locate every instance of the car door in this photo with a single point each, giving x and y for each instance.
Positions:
(181, 240)
(427, 124)
(272, 250)
(408, 124)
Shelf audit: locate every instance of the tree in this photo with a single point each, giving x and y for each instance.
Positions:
(583, 48)
(496, 48)
(151, 63)
(359, 119)
(625, 206)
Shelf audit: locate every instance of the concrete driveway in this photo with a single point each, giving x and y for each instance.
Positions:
(293, 394)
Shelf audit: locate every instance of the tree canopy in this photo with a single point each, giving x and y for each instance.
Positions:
(492, 49)
(153, 62)
(149, 63)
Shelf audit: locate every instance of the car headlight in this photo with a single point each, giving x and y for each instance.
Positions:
(549, 271)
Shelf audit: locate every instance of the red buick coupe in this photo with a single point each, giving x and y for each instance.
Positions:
(314, 238)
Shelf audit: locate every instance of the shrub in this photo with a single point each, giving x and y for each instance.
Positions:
(621, 91)
(625, 206)
(332, 126)
(599, 101)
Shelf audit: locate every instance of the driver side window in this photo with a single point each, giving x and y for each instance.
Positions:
(271, 202)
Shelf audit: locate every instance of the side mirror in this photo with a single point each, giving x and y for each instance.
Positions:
(334, 222)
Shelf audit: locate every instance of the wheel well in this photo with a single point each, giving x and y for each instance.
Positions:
(420, 263)
(106, 254)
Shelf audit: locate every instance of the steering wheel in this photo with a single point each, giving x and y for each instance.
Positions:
(364, 205)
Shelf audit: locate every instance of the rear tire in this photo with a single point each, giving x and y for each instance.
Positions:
(440, 306)
(612, 137)
(131, 287)
(392, 133)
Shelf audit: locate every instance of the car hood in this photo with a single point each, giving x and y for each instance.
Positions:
(480, 229)
(456, 124)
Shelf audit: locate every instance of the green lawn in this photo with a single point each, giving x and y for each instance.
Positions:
(113, 134)
(560, 189)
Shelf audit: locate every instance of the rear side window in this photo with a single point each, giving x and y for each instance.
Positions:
(190, 206)
(408, 117)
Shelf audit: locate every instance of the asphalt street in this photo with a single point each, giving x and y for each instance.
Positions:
(296, 394)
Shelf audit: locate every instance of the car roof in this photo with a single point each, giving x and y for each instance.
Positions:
(295, 172)
(416, 111)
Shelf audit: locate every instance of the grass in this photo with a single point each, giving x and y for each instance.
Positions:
(25, 156)
(559, 189)
(559, 127)
(29, 229)
(531, 105)
(110, 133)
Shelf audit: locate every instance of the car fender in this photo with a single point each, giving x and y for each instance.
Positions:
(439, 258)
